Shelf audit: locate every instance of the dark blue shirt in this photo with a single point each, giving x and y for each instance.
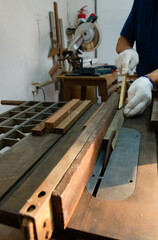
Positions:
(142, 27)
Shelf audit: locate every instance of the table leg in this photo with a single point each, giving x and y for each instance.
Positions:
(103, 91)
(83, 92)
(66, 92)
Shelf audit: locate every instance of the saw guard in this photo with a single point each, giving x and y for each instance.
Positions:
(87, 37)
(95, 43)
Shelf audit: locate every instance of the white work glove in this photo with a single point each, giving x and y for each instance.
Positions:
(126, 61)
(139, 97)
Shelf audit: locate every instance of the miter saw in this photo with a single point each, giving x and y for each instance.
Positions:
(87, 38)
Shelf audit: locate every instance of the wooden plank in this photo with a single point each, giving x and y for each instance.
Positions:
(68, 192)
(60, 115)
(73, 117)
(134, 218)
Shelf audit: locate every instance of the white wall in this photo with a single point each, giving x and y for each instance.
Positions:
(24, 47)
(25, 42)
(111, 17)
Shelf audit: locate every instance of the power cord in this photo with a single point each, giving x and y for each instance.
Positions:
(44, 95)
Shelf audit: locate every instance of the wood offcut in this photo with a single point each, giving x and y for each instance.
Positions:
(62, 119)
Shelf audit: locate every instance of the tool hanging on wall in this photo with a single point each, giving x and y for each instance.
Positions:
(56, 47)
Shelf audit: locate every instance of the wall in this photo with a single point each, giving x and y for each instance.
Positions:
(25, 41)
(112, 15)
(24, 48)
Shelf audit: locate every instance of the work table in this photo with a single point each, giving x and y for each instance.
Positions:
(27, 165)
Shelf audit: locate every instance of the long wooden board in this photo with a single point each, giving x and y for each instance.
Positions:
(67, 194)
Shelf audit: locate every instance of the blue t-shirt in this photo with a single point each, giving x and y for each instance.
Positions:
(142, 27)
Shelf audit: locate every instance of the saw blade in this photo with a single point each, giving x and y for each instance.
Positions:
(94, 43)
(87, 36)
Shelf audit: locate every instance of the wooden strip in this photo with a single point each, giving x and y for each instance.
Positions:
(56, 21)
(72, 117)
(11, 102)
(86, 124)
(68, 192)
(61, 114)
(122, 94)
(57, 173)
(39, 129)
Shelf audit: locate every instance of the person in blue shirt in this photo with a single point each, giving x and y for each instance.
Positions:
(141, 29)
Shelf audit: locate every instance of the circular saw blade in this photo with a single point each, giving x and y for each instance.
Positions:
(92, 45)
(94, 39)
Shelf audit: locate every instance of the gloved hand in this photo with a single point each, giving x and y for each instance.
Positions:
(127, 60)
(139, 97)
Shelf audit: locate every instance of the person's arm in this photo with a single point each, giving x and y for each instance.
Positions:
(123, 44)
(153, 76)
(127, 57)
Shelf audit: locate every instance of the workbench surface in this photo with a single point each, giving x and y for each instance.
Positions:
(26, 164)
(134, 218)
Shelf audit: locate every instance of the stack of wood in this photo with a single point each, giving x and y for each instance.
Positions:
(63, 119)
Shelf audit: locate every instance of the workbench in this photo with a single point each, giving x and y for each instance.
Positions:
(106, 84)
(26, 171)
